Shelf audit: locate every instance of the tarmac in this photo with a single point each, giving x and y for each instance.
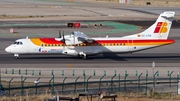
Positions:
(78, 10)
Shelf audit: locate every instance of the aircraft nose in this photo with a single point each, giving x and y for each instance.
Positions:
(8, 49)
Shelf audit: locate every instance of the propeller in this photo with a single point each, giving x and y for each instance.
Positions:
(63, 40)
(63, 37)
(59, 34)
(74, 39)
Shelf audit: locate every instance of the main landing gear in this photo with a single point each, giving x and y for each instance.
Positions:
(16, 56)
(83, 55)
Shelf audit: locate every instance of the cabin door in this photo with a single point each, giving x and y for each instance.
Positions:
(130, 44)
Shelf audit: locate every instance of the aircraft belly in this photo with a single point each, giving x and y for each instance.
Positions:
(114, 49)
(88, 50)
(138, 48)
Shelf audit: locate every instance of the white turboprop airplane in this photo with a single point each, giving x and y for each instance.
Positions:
(78, 44)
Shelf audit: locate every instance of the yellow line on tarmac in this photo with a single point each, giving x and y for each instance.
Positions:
(69, 65)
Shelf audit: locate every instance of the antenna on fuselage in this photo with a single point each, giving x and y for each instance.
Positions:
(26, 37)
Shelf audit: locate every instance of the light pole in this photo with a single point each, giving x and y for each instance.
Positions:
(36, 83)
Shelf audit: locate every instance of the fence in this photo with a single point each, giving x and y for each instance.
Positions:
(19, 82)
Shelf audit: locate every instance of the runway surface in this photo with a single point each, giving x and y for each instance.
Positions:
(106, 59)
(104, 62)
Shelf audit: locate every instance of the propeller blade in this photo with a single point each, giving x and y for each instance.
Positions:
(74, 40)
(63, 41)
(63, 37)
(59, 34)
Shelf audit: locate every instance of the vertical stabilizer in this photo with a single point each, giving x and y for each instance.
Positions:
(159, 30)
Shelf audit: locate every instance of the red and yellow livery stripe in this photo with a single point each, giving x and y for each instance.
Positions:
(40, 41)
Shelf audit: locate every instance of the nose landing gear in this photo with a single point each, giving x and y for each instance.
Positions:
(16, 56)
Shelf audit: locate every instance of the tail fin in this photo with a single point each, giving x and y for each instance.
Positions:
(159, 30)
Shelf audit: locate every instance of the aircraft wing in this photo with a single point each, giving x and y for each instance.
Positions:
(82, 37)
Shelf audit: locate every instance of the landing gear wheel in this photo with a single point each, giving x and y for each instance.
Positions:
(16, 56)
(84, 57)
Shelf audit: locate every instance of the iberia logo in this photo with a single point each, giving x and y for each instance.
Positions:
(161, 27)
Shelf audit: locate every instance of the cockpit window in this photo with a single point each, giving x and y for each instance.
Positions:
(18, 43)
(15, 42)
